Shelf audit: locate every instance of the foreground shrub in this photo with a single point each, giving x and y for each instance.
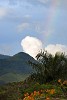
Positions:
(41, 91)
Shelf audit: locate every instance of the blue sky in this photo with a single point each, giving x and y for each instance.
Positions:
(45, 20)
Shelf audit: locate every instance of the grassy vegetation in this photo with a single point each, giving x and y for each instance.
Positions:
(13, 77)
(21, 90)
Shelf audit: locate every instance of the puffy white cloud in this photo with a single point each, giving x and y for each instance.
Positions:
(31, 45)
(56, 48)
(22, 27)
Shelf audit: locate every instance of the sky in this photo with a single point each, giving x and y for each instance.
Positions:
(32, 25)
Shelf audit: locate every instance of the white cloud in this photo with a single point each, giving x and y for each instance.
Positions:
(56, 48)
(3, 12)
(31, 45)
(22, 27)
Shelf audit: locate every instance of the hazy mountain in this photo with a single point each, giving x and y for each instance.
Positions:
(16, 65)
(4, 56)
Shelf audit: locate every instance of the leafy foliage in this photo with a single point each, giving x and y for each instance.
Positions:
(49, 67)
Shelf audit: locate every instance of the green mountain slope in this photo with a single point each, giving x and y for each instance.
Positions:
(14, 67)
(12, 77)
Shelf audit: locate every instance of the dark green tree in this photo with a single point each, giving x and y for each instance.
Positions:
(49, 67)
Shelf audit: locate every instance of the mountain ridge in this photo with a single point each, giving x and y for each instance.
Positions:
(4, 56)
(17, 63)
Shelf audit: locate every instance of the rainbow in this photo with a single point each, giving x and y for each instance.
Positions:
(53, 12)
